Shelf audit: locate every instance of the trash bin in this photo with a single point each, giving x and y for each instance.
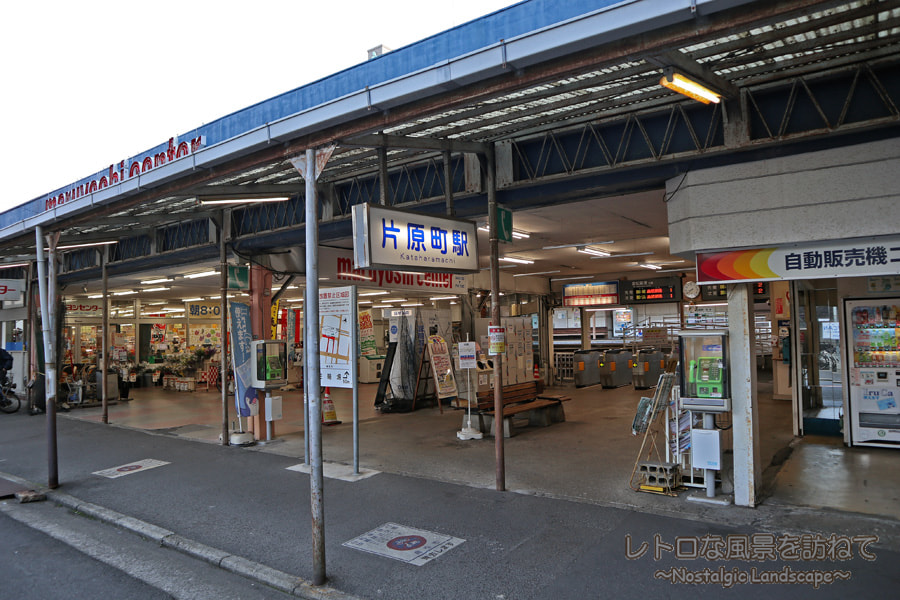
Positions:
(615, 368)
(585, 367)
(649, 364)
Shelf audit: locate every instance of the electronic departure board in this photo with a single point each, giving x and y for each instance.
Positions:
(648, 291)
(719, 291)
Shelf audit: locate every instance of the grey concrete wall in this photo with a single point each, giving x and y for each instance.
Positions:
(833, 194)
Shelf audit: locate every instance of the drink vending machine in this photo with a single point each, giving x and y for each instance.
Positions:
(873, 357)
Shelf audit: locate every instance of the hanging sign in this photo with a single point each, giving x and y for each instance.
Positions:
(395, 239)
(11, 289)
(878, 256)
(238, 277)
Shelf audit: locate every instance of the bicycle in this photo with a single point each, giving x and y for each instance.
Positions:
(9, 400)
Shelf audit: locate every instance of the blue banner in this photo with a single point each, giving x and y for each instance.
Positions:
(244, 396)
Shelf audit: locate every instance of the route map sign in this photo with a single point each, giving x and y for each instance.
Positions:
(337, 337)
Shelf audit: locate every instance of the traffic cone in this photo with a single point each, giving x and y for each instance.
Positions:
(537, 372)
(329, 415)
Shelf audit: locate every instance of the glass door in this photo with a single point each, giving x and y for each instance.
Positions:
(821, 385)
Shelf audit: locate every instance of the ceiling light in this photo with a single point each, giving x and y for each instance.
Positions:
(537, 273)
(156, 303)
(355, 275)
(623, 255)
(202, 274)
(364, 302)
(593, 251)
(93, 296)
(160, 280)
(571, 278)
(682, 84)
(192, 299)
(382, 306)
(10, 266)
(156, 289)
(578, 244)
(125, 293)
(219, 201)
(85, 245)
(413, 304)
(443, 298)
(650, 266)
(381, 293)
(293, 299)
(517, 234)
(518, 261)
(393, 300)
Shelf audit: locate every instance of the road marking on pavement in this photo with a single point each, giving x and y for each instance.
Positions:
(337, 471)
(407, 544)
(141, 465)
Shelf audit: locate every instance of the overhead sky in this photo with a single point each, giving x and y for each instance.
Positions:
(87, 84)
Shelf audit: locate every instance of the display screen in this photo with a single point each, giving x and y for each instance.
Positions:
(647, 291)
(714, 291)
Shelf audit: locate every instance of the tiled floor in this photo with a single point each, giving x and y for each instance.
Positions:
(588, 457)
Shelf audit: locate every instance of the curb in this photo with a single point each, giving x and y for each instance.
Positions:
(279, 580)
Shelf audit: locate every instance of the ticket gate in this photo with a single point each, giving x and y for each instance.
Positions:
(586, 366)
(649, 364)
(615, 368)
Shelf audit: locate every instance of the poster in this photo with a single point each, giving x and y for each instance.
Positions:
(244, 396)
(497, 336)
(467, 355)
(157, 333)
(441, 367)
(367, 345)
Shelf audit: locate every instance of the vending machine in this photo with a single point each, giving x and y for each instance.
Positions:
(873, 362)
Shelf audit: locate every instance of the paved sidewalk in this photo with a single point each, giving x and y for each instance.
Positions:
(247, 505)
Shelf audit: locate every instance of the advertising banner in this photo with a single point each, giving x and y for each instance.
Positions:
(241, 336)
(807, 261)
(367, 344)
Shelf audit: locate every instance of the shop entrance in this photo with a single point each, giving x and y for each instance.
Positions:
(821, 385)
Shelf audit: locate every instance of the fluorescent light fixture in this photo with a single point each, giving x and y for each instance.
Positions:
(537, 273)
(219, 201)
(650, 266)
(518, 261)
(364, 302)
(94, 296)
(443, 298)
(572, 278)
(517, 234)
(293, 287)
(602, 309)
(381, 293)
(355, 275)
(125, 293)
(382, 306)
(10, 266)
(593, 251)
(160, 303)
(85, 245)
(393, 299)
(713, 304)
(160, 280)
(578, 244)
(630, 254)
(202, 274)
(192, 299)
(683, 84)
(413, 304)
(293, 299)
(156, 289)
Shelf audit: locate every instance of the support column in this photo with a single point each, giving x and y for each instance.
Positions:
(49, 360)
(745, 429)
(490, 183)
(104, 347)
(223, 325)
(383, 180)
(448, 185)
(585, 328)
(261, 326)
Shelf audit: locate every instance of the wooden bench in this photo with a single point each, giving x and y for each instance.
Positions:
(541, 410)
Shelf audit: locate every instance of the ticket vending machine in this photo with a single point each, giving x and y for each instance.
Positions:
(704, 387)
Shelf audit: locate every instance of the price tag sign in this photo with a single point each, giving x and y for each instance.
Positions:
(497, 336)
(467, 358)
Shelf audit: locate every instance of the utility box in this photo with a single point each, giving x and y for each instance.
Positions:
(615, 368)
(586, 367)
(370, 368)
(649, 364)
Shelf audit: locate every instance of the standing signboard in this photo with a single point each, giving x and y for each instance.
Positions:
(441, 367)
(367, 344)
(337, 337)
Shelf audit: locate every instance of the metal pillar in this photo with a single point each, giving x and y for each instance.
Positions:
(104, 348)
(383, 181)
(311, 330)
(448, 185)
(223, 324)
(49, 363)
(490, 183)
(745, 429)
